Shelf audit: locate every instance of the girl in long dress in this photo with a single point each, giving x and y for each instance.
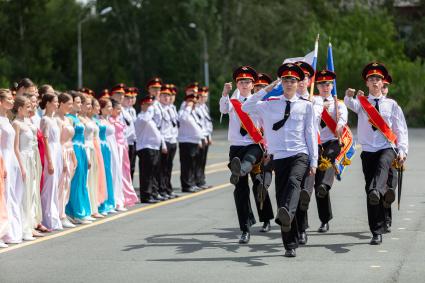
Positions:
(4, 222)
(25, 139)
(39, 160)
(107, 129)
(89, 135)
(13, 183)
(69, 161)
(130, 196)
(101, 191)
(78, 207)
(52, 163)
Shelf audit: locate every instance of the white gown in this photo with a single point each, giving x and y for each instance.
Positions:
(92, 179)
(50, 191)
(13, 184)
(116, 167)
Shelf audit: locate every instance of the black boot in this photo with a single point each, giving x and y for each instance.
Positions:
(244, 238)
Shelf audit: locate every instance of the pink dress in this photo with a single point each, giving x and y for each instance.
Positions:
(101, 191)
(130, 196)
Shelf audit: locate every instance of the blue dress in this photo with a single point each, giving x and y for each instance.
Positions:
(109, 203)
(79, 202)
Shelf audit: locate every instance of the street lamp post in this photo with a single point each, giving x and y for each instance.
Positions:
(79, 44)
(205, 54)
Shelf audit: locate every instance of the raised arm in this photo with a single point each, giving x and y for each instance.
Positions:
(349, 100)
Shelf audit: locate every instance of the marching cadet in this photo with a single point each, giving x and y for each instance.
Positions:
(307, 184)
(393, 175)
(154, 89)
(169, 150)
(148, 144)
(244, 153)
(190, 140)
(329, 147)
(384, 141)
(130, 116)
(207, 127)
(290, 134)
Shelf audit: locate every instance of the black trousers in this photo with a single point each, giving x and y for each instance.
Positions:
(166, 168)
(188, 154)
(331, 150)
(392, 185)
(307, 184)
(251, 154)
(289, 173)
(376, 167)
(201, 160)
(132, 156)
(148, 171)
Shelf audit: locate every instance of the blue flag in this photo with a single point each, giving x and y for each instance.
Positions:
(330, 67)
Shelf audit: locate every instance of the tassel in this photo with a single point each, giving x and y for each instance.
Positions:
(346, 161)
(325, 163)
(256, 169)
(396, 165)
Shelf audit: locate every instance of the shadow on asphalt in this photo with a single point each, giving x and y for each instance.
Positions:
(189, 243)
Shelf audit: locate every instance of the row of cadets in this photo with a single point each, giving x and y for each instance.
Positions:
(384, 143)
(169, 132)
(203, 114)
(291, 137)
(244, 153)
(190, 139)
(307, 184)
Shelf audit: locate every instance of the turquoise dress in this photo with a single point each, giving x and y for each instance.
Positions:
(79, 202)
(109, 203)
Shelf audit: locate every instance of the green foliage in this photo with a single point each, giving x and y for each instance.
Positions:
(144, 38)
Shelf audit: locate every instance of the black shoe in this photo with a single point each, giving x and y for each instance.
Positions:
(303, 238)
(387, 229)
(373, 197)
(376, 239)
(290, 253)
(324, 227)
(283, 219)
(196, 189)
(321, 191)
(188, 190)
(235, 166)
(244, 238)
(165, 196)
(234, 179)
(148, 200)
(266, 227)
(304, 200)
(158, 197)
(172, 195)
(389, 198)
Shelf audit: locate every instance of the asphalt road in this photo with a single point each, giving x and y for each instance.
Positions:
(194, 239)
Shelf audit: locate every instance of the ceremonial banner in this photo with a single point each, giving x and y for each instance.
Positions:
(376, 120)
(247, 122)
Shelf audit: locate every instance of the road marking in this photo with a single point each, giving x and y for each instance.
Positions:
(115, 217)
(382, 251)
(395, 238)
(401, 228)
(375, 266)
(407, 219)
(411, 205)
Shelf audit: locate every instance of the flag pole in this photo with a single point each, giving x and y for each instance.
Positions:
(316, 48)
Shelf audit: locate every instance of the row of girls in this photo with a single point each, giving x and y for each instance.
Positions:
(63, 161)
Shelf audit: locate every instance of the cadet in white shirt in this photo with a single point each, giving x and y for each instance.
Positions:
(190, 140)
(291, 138)
(203, 114)
(154, 89)
(244, 153)
(307, 184)
(148, 144)
(378, 152)
(329, 147)
(167, 132)
(130, 116)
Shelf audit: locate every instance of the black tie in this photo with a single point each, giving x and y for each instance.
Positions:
(377, 109)
(242, 129)
(278, 125)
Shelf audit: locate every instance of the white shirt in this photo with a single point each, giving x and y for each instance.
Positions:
(234, 135)
(175, 118)
(148, 135)
(325, 133)
(157, 113)
(129, 119)
(371, 140)
(298, 135)
(208, 125)
(202, 119)
(190, 130)
(168, 125)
